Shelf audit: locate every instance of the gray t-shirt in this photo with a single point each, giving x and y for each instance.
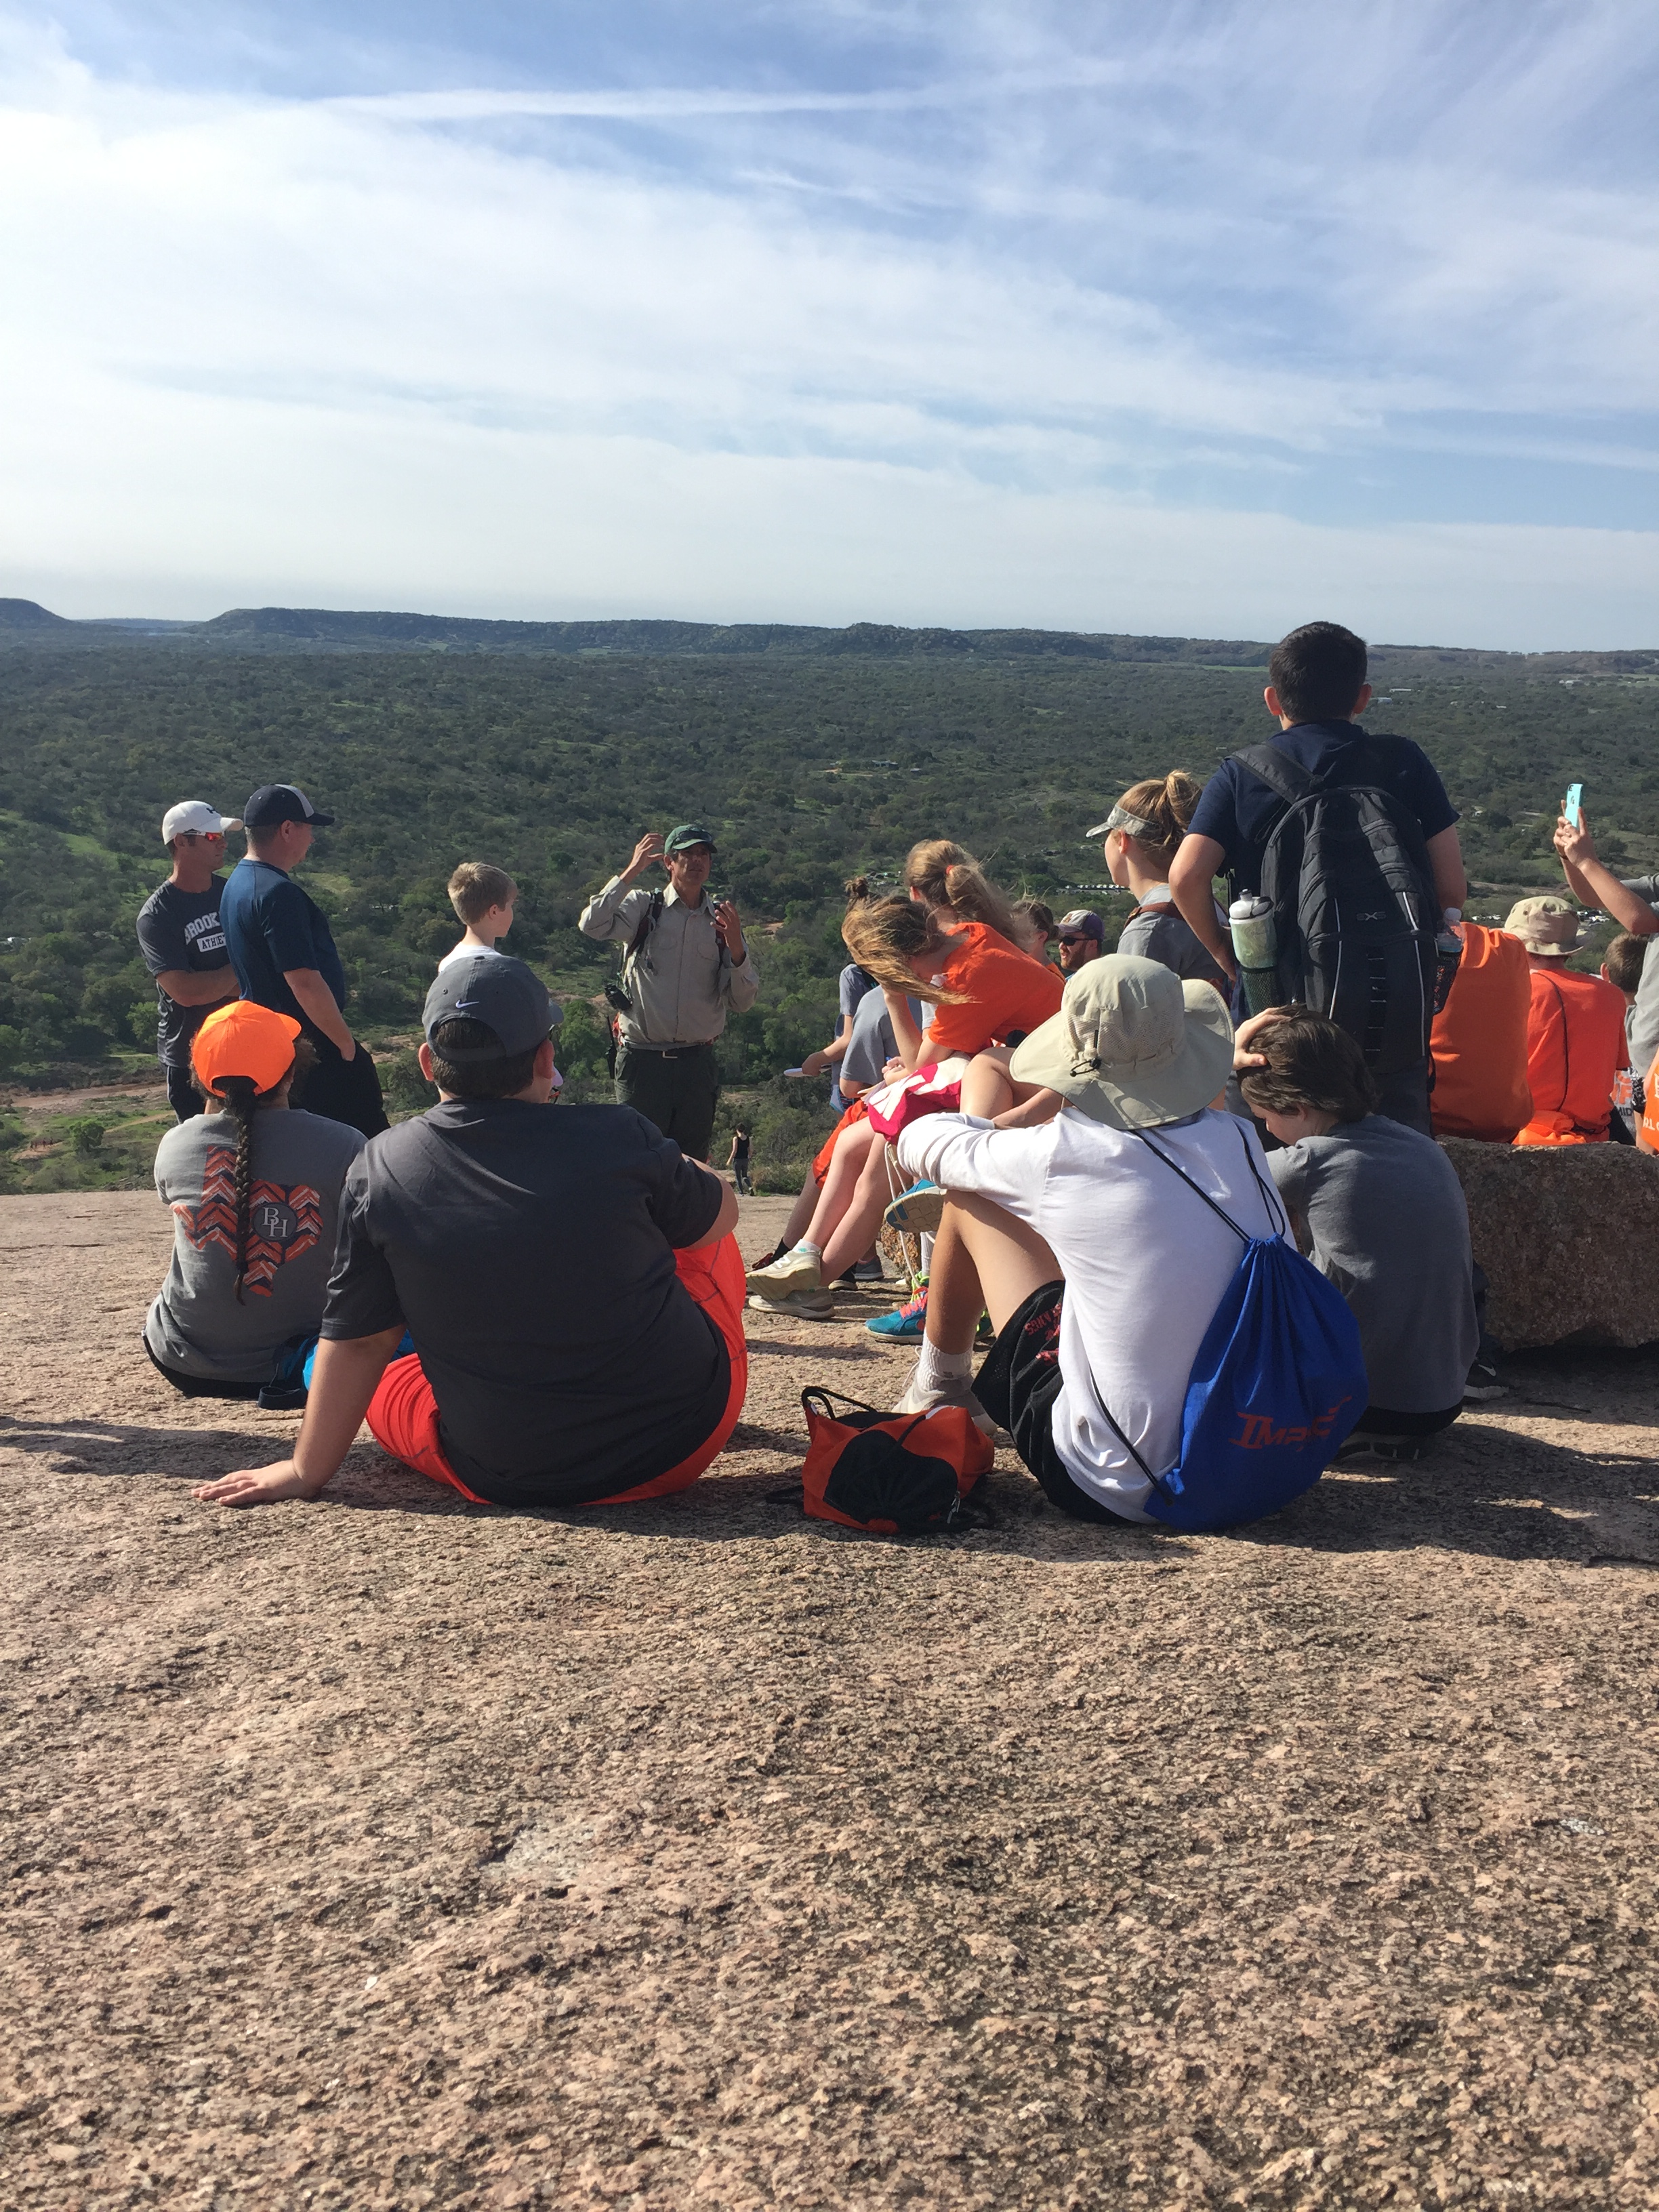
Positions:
(871, 1044)
(1161, 933)
(1381, 1214)
(299, 1162)
(1642, 1020)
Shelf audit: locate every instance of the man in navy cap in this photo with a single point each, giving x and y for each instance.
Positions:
(282, 951)
(534, 1381)
(685, 967)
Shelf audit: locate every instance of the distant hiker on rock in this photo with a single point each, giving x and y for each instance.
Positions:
(284, 952)
(1353, 842)
(183, 944)
(254, 1188)
(569, 1279)
(685, 968)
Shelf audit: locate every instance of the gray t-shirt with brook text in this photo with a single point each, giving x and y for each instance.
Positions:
(299, 1162)
(1381, 1214)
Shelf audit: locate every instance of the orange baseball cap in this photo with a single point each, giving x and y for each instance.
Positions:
(245, 1039)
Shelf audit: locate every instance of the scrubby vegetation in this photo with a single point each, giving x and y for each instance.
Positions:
(810, 765)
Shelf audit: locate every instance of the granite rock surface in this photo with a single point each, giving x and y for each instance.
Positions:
(388, 1851)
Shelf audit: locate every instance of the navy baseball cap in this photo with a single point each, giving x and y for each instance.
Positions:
(282, 802)
(509, 1000)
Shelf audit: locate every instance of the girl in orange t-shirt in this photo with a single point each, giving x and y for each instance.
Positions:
(986, 991)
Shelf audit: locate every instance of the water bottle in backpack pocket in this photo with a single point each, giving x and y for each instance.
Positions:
(1347, 871)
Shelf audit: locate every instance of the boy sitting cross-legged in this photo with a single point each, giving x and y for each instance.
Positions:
(1379, 1210)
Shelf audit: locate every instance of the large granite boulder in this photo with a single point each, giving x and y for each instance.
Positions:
(1569, 1237)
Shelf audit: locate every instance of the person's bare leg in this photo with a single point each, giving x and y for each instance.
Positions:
(858, 1224)
(984, 1260)
(988, 1089)
(801, 1212)
(847, 1165)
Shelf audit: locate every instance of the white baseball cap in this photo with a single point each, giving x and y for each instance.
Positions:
(196, 814)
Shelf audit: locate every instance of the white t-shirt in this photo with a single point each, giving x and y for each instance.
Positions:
(1146, 1263)
(466, 951)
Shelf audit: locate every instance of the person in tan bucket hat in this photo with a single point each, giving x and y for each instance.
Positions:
(1099, 1272)
(1549, 926)
(1575, 1029)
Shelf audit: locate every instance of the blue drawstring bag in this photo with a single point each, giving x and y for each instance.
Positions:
(1278, 1384)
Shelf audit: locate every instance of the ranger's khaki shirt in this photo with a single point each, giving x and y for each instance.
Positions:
(683, 982)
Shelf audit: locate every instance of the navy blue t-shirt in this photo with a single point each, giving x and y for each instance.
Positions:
(271, 926)
(529, 1252)
(180, 930)
(1239, 810)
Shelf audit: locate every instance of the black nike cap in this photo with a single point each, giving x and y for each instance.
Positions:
(508, 998)
(282, 802)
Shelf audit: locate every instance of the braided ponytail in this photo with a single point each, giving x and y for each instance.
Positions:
(239, 1095)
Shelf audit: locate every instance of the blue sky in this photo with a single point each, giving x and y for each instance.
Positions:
(1201, 319)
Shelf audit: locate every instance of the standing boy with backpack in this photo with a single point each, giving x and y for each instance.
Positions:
(1353, 841)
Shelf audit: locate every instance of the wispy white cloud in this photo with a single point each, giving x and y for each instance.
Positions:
(1060, 264)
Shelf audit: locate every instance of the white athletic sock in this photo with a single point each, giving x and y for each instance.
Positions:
(812, 1251)
(938, 1370)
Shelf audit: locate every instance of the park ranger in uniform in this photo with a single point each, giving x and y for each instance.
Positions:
(685, 968)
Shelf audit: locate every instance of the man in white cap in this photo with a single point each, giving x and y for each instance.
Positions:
(183, 944)
(1100, 1266)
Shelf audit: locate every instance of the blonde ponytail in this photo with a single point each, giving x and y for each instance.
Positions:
(947, 876)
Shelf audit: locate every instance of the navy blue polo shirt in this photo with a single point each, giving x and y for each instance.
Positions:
(1239, 810)
(272, 925)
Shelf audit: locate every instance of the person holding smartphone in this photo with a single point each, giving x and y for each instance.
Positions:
(685, 968)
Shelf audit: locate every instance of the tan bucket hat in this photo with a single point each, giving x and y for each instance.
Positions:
(1548, 925)
(1132, 1046)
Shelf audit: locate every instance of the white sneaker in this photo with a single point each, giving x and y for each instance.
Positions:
(920, 1397)
(805, 1305)
(796, 1271)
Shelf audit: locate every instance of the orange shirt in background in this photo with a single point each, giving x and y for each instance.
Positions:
(1575, 1046)
(1479, 1041)
(1003, 989)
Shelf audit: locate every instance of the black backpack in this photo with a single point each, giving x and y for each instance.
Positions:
(1347, 871)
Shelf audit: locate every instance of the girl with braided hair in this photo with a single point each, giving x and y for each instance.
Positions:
(254, 1186)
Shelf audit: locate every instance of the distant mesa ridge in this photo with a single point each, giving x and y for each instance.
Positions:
(278, 629)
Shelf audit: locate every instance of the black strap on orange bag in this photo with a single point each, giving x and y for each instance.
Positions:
(891, 1473)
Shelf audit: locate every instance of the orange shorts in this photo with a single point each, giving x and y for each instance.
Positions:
(403, 1414)
(856, 1112)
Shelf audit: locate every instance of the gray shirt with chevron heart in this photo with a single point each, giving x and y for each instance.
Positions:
(196, 1325)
